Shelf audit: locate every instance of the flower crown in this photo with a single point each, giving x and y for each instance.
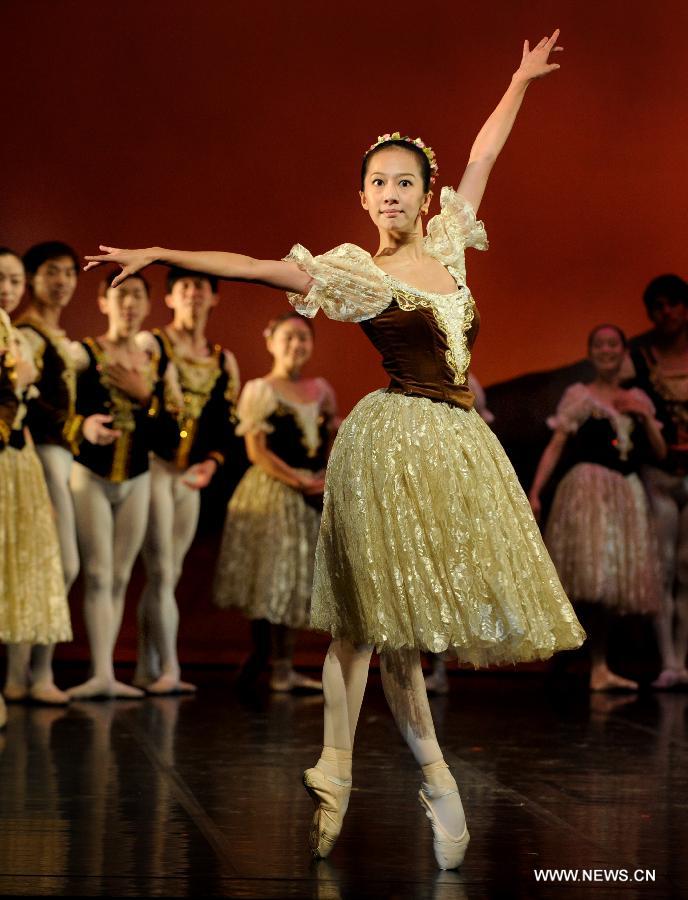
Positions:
(417, 142)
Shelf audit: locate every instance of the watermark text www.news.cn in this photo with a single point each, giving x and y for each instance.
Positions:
(595, 875)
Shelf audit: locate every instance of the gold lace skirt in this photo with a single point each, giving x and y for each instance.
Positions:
(428, 540)
(265, 567)
(601, 538)
(33, 605)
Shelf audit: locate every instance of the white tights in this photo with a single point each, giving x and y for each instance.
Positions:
(173, 517)
(27, 664)
(111, 524)
(345, 674)
(669, 501)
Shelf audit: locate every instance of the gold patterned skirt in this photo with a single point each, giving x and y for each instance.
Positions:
(428, 541)
(265, 567)
(33, 605)
(602, 541)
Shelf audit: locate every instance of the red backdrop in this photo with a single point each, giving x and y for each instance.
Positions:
(241, 125)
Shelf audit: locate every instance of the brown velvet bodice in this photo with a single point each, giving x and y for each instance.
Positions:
(414, 352)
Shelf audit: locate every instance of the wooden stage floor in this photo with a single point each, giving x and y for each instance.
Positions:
(202, 796)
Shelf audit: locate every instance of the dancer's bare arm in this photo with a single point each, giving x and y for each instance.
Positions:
(284, 276)
(548, 462)
(492, 136)
(259, 454)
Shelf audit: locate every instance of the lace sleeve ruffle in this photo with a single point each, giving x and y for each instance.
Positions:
(453, 230)
(256, 404)
(5, 331)
(347, 285)
(574, 408)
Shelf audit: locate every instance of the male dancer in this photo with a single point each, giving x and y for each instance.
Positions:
(51, 270)
(205, 397)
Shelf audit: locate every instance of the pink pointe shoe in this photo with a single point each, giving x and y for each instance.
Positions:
(331, 799)
(449, 850)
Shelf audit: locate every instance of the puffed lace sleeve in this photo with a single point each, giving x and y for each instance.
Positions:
(453, 230)
(348, 286)
(575, 406)
(5, 331)
(257, 403)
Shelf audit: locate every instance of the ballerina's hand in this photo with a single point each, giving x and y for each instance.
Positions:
(535, 63)
(200, 474)
(130, 261)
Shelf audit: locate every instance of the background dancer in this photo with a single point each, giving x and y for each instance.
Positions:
(183, 463)
(111, 484)
(427, 540)
(660, 358)
(33, 604)
(265, 566)
(599, 531)
(51, 269)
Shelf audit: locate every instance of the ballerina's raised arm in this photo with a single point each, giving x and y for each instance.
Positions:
(285, 275)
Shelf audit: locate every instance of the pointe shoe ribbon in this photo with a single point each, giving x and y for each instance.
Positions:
(449, 850)
(331, 798)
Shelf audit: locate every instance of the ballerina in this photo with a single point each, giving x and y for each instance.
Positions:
(427, 539)
(266, 560)
(599, 530)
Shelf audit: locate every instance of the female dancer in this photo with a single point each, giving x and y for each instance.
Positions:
(111, 483)
(182, 464)
(427, 540)
(660, 358)
(33, 602)
(599, 531)
(266, 560)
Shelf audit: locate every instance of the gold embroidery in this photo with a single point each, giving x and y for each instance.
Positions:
(60, 344)
(453, 313)
(122, 407)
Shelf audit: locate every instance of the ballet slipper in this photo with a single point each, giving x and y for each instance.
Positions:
(449, 850)
(606, 680)
(169, 684)
(102, 688)
(48, 694)
(667, 679)
(283, 682)
(15, 693)
(331, 798)
(437, 683)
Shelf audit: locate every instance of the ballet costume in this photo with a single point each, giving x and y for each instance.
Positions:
(200, 403)
(427, 541)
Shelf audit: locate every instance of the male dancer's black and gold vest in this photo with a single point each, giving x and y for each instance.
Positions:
(204, 423)
(51, 415)
(127, 456)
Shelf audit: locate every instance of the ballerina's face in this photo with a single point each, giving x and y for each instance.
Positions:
(291, 344)
(393, 190)
(126, 306)
(191, 299)
(607, 351)
(12, 282)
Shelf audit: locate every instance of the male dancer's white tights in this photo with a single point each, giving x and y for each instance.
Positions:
(174, 511)
(57, 465)
(111, 524)
(345, 674)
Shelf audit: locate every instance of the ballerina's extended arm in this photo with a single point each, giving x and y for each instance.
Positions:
(287, 276)
(284, 276)
(492, 136)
